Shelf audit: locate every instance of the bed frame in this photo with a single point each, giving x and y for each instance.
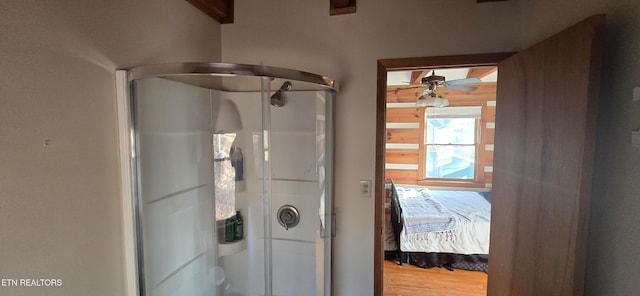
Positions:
(396, 217)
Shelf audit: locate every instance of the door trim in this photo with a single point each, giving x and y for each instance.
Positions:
(129, 246)
(384, 65)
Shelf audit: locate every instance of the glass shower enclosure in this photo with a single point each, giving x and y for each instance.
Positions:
(230, 180)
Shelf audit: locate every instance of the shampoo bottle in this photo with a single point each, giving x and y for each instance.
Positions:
(237, 162)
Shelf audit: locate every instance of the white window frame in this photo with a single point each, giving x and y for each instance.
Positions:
(451, 112)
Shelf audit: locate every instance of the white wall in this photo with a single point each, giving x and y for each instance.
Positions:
(60, 204)
(614, 244)
(300, 34)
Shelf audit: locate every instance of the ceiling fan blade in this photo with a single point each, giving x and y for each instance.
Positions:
(462, 81)
(460, 87)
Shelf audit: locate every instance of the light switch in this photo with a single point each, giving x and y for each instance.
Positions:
(365, 188)
(636, 94)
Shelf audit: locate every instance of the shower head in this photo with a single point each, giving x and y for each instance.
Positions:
(277, 99)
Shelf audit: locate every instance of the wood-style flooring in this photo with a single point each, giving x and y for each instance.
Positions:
(409, 280)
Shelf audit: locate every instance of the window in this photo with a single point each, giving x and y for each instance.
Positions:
(224, 175)
(451, 139)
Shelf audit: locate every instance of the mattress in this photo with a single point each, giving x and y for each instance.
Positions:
(472, 214)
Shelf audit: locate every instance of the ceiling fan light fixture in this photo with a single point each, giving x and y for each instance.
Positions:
(432, 102)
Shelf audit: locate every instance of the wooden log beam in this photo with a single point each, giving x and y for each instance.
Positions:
(219, 10)
(416, 76)
(337, 7)
(481, 72)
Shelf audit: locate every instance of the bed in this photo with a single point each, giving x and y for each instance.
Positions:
(442, 228)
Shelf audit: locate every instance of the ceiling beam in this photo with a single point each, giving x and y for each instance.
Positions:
(416, 76)
(481, 72)
(337, 7)
(219, 10)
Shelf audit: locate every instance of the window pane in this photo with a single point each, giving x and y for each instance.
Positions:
(224, 174)
(451, 131)
(448, 161)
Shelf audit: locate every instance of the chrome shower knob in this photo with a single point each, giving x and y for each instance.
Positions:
(288, 216)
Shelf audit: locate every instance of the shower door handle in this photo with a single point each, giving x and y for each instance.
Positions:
(333, 225)
(323, 231)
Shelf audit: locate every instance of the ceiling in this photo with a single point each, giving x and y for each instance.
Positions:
(409, 77)
(223, 10)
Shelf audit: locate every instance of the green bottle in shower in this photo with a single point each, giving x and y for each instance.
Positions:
(239, 226)
(229, 229)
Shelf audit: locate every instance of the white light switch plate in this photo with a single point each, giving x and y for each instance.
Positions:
(635, 139)
(636, 94)
(365, 188)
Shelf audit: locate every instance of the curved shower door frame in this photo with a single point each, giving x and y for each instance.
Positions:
(227, 69)
(127, 156)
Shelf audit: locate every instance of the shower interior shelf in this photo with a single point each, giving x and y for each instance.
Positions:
(231, 248)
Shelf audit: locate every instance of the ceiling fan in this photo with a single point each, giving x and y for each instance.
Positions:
(430, 96)
(458, 84)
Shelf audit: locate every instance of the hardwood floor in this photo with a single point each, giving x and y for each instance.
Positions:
(409, 280)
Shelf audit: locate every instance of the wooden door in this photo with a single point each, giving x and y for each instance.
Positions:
(545, 142)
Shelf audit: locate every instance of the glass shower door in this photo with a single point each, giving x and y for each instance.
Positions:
(298, 165)
(174, 197)
(188, 191)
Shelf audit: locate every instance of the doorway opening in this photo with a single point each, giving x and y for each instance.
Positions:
(543, 162)
(435, 121)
